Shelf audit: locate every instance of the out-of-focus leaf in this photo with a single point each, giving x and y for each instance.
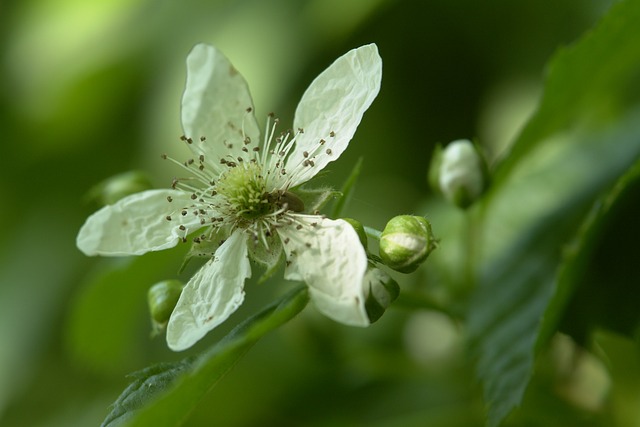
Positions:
(605, 264)
(584, 135)
(166, 394)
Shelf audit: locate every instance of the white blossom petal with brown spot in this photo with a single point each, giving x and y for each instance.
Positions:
(330, 259)
(137, 224)
(212, 294)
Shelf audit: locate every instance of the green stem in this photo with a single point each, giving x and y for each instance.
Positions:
(373, 233)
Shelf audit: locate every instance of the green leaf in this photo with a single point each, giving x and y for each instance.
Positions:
(584, 135)
(604, 252)
(147, 382)
(166, 394)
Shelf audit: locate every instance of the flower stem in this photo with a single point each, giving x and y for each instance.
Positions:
(373, 233)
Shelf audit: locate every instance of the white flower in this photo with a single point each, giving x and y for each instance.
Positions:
(236, 200)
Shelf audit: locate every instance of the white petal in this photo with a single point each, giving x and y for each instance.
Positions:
(331, 260)
(333, 105)
(211, 295)
(214, 105)
(137, 224)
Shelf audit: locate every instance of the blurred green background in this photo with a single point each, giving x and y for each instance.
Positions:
(92, 89)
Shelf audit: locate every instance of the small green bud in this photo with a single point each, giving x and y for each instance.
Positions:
(357, 225)
(405, 243)
(118, 186)
(380, 291)
(162, 298)
(462, 173)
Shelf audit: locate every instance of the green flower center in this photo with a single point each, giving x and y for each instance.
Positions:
(244, 188)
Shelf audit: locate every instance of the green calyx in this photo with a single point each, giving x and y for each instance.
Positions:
(380, 291)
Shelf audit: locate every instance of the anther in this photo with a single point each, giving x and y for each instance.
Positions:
(163, 156)
(298, 227)
(203, 139)
(169, 199)
(305, 163)
(332, 134)
(286, 240)
(201, 158)
(256, 149)
(311, 163)
(183, 213)
(322, 141)
(193, 196)
(301, 130)
(183, 138)
(249, 109)
(168, 217)
(189, 141)
(305, 154)
(247, 140)
(182, 228)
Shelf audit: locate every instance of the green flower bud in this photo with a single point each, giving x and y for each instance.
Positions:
(162, 298)
(357, 225)
(405, 243)
(118, 186)
(462, 173)
(380, 291)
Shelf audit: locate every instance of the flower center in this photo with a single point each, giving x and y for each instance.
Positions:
(244, 189)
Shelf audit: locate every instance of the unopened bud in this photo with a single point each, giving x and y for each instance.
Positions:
(118, 186)
(462, 173)
(380, 291)
(357, 225)
(162, 298)
(405, 243)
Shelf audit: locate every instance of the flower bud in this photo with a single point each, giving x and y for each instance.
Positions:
(462, 173)
(357, 225)
(380, 291)
(405, 243)
(118, 186)
(162, 298)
